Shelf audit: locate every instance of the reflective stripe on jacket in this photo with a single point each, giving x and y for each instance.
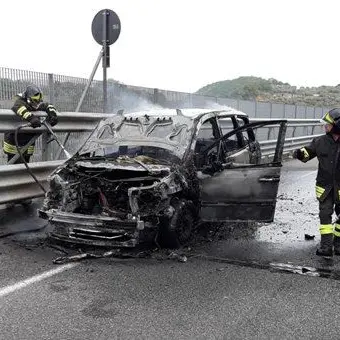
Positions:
(12, 149)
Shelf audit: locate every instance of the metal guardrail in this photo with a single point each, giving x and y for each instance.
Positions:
(291, 144)
(83, 121)
(17, 184)
(68, 121)
(293, 123)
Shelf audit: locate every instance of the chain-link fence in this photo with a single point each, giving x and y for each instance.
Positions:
(65, 92)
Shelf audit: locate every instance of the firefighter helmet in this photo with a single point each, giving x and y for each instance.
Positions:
(333, 117)
(33, 95)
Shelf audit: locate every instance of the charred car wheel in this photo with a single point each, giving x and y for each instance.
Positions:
(177, 230)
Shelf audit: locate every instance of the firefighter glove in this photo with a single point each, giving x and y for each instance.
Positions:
(298, 154)
(51, 110)
(35, 122)
(52, 119)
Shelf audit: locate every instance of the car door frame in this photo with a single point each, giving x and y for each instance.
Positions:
(257, 185)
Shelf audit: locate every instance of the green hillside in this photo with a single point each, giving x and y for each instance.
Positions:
(272, 90)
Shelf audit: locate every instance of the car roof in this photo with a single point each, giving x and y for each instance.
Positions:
(189, 113)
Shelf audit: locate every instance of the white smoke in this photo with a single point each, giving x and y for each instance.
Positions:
(130, 101)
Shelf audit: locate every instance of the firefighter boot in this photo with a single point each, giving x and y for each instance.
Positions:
(336, 243)
(326, 245)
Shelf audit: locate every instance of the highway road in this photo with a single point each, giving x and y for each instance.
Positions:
(242, 282)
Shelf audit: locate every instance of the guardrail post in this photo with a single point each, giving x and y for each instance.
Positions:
(45, 147)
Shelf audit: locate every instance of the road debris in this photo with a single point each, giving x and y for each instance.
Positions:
(119, 253)
(111, 253)
(179, 257)
(296, 269)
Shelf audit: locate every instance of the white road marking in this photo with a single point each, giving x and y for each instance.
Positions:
(27, 282)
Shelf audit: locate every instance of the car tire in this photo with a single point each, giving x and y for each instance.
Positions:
(177, 230)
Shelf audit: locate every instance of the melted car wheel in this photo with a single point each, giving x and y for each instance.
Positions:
(177, 230)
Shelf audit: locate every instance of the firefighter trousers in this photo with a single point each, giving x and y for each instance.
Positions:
(327, 207)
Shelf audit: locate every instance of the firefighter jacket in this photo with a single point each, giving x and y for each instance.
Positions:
(24, 110)
(327, 151)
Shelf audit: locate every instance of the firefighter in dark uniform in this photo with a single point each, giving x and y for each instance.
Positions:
(327, 150)
(24, 106)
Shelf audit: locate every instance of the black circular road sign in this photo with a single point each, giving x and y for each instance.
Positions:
(106, 22)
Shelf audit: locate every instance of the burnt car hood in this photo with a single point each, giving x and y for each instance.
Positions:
(171, 133)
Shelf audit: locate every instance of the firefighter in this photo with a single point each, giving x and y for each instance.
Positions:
(327, 150)
(26, 103)
(24, 106)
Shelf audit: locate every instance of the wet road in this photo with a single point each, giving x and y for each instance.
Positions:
(230, 288)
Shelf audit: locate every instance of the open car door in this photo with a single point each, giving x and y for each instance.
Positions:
(241, 191)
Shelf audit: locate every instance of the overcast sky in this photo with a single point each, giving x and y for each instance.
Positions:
(178, 44)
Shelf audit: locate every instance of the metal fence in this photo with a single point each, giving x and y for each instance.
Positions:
(65, 93)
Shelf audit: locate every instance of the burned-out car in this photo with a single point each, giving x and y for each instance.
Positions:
(157, 175)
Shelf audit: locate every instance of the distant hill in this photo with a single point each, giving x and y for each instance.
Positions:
(272, 90)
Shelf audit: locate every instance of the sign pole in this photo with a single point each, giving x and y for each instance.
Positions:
(105, 31)
(105, 13)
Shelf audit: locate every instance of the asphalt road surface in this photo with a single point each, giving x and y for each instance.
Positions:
(249, 282)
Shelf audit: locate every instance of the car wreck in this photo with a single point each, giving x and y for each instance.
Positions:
(157, 175)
